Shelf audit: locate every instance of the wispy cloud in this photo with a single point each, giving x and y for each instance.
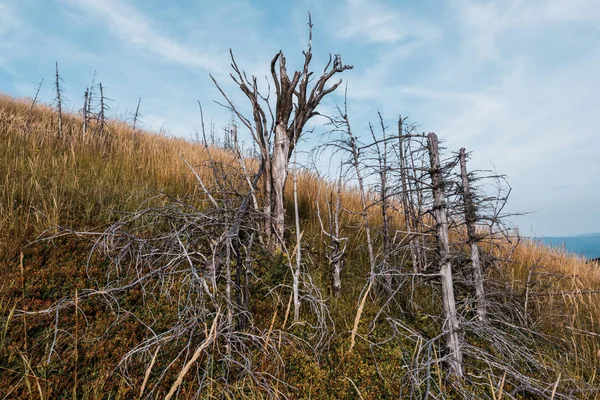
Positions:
(133, 27)
(484, 23)
(376, 22)
(8, 19)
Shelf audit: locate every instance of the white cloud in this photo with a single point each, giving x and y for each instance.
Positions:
(8, 19)
(379, 23)
(514, 81)
(135, 28)
(483, 23)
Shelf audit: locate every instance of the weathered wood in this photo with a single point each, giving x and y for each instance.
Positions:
(470, 220)
(296, 277)
(58, 102)
(406, 203)
(295, 104)
(101, 112)
(451, 325)
(85, 112)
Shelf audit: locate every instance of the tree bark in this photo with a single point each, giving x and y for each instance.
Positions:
(453, 345)
(279, 170)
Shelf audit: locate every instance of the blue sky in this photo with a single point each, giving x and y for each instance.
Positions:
(516, 82)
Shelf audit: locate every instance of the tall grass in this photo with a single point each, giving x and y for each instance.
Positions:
(86, 182)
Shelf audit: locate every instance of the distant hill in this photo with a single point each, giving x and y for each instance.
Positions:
(585, 245)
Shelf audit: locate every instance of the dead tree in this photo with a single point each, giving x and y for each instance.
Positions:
(33, 103)
(58, 89)
(408, 207)
(296, 272)
(337, 245)
(350, 145)
(453, 339)
(102, 111)
(137, 114)
(380, 146)
(295, 104)
(85, 112)
(470, 220)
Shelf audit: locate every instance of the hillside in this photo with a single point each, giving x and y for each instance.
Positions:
(87, 221)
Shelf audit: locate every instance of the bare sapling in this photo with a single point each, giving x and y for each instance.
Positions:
(350, 145)
(335, 243)
(84, 112)
(417, 189)
(470, 221)
(102, 111)
(296, 275)
(451, 323)
(382, 169)
(407, 205)
(59, 101)
(137, 115)
(33, 103)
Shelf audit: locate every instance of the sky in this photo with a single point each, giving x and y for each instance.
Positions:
(516, 82)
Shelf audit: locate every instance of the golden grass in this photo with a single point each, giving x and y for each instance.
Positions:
(85, 182)
(49, 182)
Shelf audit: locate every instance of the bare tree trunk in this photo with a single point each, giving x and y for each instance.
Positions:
(136, 116)
(101, 113)
(337, 255)
(471, 219)
(228, 284)
(452, 327)
(416, 209)
(296, 282)
(33, 103)
(85, 112)
(354, 151)
(383, 198)
(406, 202)
(336, 251)
(58, 103)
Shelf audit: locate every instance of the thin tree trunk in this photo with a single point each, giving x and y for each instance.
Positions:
(406, 203)
(471, 219)
(296, 282)
(363, 199)
(33, 103)
(416, 211)
(136, 116)
(337, 255)
(228, 284)
(85, 112)
(452, 327)
(58, 103)
(383, 195)
(101, 113)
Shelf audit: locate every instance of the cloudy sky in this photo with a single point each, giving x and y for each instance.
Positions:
(517, 82)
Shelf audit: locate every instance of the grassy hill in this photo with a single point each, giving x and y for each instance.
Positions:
(58, 196)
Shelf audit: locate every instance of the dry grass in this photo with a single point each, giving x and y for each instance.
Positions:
(49, 182)
(85, 182)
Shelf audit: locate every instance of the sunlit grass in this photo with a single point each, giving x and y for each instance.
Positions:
(87, 182)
